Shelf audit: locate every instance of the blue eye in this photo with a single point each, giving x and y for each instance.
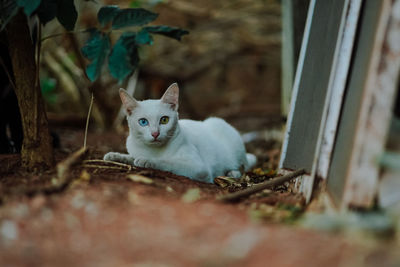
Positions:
(143, 122)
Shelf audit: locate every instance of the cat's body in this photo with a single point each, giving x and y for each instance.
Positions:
(200, 150)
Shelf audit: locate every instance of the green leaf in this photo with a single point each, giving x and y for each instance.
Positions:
(28, 5)
(47, 11)
(106, 14)
(171, 32)
(145, 3)
(124, 57)
(96, 49)
(143, 37)
(8, 9)
(48, 86)
(132, 17)
(66, 14)
(136, 3)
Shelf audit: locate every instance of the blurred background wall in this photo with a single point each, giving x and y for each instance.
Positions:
(228, 66)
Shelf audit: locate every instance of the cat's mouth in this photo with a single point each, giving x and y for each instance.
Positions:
(155, 142)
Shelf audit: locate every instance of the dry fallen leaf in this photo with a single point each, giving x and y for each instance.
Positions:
(169, 189)
(273, 213)
(133, 198)
(264, 172)
(85, 176)
(224, 181)
(83, 179)
(191, 195)
(140, 179)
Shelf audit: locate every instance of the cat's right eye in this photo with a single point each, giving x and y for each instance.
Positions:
(143, 122)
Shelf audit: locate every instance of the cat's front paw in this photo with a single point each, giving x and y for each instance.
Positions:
(118, 157)
(111, 156)
(144, 163)
(234, 174)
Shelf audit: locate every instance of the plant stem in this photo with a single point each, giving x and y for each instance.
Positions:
(87, 121)
(61, 34)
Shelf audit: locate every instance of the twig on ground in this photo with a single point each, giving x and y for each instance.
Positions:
(63, 179)
(259, 187)
(104, 167)
(93, 163)
(72, 160)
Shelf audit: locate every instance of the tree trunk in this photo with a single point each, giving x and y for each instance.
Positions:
(37, 150)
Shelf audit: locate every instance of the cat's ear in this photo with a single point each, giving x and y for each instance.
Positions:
(171, 96)
(128, 102)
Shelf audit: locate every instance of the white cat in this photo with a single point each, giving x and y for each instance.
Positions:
(200, 150)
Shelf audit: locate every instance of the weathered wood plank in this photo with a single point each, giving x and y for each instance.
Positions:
(311, 84)
(353, 176)
(336, 89)
(376, 111)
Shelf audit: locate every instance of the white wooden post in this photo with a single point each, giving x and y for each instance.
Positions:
(317, 56)
(336, 89)
(375, 109)
(342, 97)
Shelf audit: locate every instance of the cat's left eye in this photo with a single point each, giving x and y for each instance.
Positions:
(164, 120)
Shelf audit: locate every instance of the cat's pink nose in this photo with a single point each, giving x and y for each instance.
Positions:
(155, 134)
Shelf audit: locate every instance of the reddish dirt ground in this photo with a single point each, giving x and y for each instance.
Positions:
(104, 219)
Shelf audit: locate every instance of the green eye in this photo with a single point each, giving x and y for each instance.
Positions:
(164, 120)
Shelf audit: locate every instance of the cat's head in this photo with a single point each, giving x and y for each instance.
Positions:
(152, 122)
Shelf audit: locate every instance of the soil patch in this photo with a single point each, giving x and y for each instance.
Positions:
(112, 217)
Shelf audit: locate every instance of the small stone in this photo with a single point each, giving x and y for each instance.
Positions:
(78, 201)
(20, 211)
(71, 221)
(38, 201)
(241, 243)
(91, 209)
(47, 214)
(9, 230)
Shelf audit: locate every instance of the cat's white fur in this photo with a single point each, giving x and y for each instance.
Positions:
(200, 150)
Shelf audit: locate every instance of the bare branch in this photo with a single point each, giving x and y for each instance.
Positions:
(259, 187)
